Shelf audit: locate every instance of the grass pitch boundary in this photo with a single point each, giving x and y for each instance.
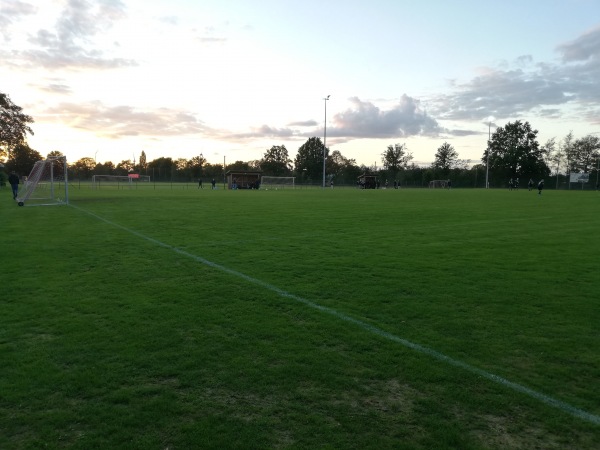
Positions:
(546, 399)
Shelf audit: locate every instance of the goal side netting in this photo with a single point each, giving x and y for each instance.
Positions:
(47, 184)
(438, 184)
(277, 182)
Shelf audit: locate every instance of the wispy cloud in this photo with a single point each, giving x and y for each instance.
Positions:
(120, 121)
(55, 87)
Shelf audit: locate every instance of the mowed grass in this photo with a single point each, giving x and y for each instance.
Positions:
(183, 318)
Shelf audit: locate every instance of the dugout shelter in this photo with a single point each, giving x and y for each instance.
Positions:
(243, 180)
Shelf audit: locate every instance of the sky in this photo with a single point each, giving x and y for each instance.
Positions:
(229, 79)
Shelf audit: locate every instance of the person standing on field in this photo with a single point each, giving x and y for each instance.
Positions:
(13, 179)
(540, 187)
(213, 183)
(200, 183)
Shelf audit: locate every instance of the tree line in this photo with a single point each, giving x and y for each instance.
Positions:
(513, 151)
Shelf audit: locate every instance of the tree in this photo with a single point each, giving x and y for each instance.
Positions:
(446, 158)
(212, 171)
(22, 159)
(181, 164)
(124, 167)
(13, 125)
(309, 159)
(276, 161)
(554, 154)
(395, 158)
(108, 168)
(568, 149)
(195, 165)
(254, 165)
(162, 168)
(83, 167)
(515, 152)
(239, 166)
(143, 163)
(342, 169)
(585, 153)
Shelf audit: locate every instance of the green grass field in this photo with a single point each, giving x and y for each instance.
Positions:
(409, 319)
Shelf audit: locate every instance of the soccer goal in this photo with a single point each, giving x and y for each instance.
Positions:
(438, 184)
(277, 182)
(118, 180)
(47, 184)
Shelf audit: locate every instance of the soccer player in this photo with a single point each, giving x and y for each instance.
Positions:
(540, 187)
(13, 179)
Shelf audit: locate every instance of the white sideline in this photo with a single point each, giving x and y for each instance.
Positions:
(563, 406)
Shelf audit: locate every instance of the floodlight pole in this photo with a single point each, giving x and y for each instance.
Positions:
(325, 139)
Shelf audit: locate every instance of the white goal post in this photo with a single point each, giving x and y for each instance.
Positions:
(47, 184)
(438, 184)
(278, 182)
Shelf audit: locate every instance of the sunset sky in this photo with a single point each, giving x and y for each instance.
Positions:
(107, 79)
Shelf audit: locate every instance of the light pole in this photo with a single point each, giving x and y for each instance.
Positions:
(325, 139)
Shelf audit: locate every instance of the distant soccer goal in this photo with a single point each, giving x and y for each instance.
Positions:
(443, 184)
(47, 184)
(118, 180)
(277, 182)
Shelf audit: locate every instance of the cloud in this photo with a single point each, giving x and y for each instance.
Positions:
(365, 120)
(120, 121)
(211, 35)
(584, 48)
(263, 131)
(502, 93)
(304, 123)
(56, 88)
(531, 89)
(463, 133)
(362, 120)
(11, 11)
(70, 44)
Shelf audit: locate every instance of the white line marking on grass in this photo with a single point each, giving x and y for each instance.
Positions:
(563, 406)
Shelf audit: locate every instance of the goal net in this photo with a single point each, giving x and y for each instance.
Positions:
(438, 184)
(118, 180)
(277, 182)
(47, 184)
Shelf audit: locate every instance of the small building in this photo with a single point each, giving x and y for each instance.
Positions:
(368, 182)
(237, 179)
